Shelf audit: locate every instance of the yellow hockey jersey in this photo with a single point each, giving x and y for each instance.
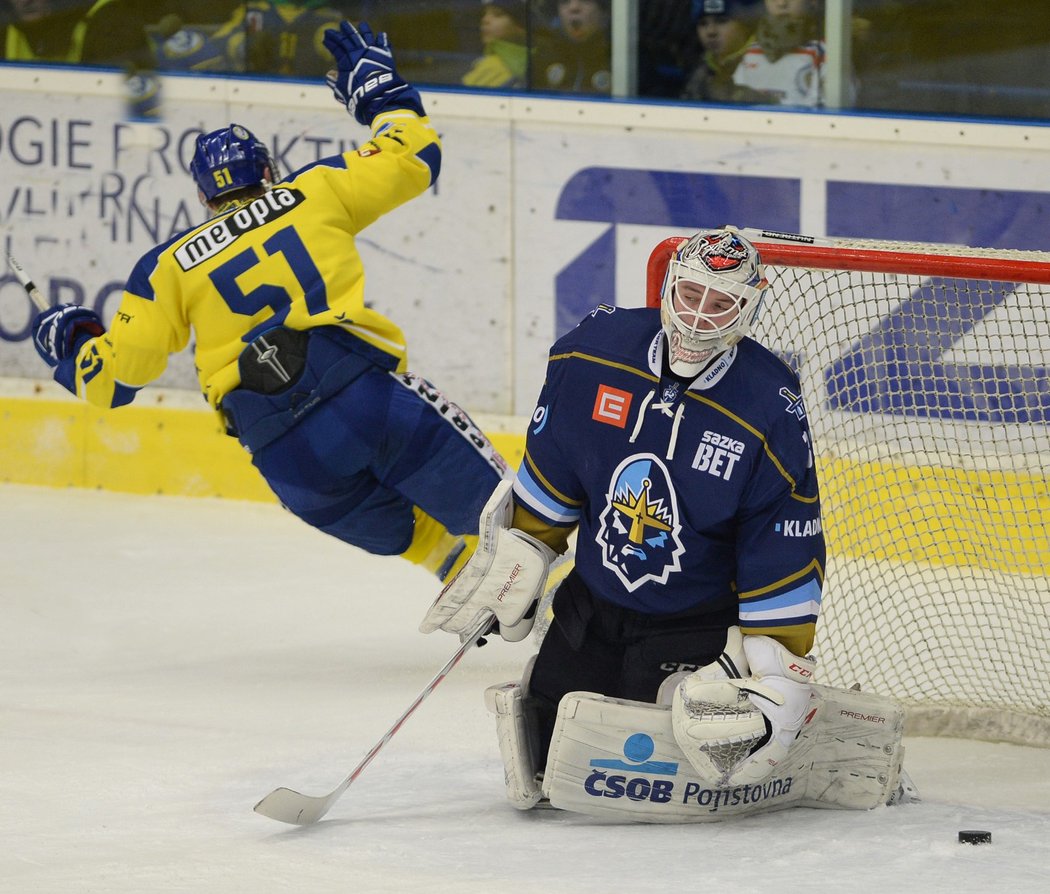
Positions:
(287, 258)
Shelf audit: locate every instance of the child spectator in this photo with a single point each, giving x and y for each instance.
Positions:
(504, 62)
(724, 29)
(575, 57)
(785, 61)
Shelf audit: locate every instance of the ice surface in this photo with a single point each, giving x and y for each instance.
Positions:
(166, 662)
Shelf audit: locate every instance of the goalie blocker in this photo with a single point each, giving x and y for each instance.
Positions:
(505, 577)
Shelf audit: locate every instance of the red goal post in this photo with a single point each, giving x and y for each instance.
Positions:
(925, 373)
(874, 256)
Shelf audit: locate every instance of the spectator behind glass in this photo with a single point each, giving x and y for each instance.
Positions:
(92, 32)
(785, 61)
(575, 56)
(504, 39)
(724, 28)
(261, 36)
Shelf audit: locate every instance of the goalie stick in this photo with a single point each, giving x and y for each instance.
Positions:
(289, 806)
(31, 290)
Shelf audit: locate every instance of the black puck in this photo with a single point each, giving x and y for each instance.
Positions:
(974, 836)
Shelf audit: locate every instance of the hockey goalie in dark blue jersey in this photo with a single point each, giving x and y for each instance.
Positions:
(679, 451)
(693, 495)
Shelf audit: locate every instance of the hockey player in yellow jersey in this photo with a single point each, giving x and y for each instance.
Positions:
(312, 382)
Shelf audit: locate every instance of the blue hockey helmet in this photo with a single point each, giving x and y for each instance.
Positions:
(229, 159)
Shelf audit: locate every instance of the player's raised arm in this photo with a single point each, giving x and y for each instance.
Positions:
(403, 157)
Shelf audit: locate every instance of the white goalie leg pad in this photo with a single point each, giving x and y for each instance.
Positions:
(505, 576)
(505, 701)
(618, 758)
(855, 751)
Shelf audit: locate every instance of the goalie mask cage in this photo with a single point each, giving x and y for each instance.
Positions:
(925, 374)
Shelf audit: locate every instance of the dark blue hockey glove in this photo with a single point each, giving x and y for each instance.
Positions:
(59, 331)
(366, 81)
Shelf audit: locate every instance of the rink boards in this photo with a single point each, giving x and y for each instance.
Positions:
(872, 509)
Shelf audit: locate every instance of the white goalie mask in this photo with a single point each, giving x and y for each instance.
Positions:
(711, 295)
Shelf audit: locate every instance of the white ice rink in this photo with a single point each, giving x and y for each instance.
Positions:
(165, 662)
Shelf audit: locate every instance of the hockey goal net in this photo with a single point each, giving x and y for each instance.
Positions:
(925, 374)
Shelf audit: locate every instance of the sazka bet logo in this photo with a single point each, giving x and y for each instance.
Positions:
(639, 526)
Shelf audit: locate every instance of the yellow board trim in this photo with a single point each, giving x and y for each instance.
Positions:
(872, 510)
(139, 450)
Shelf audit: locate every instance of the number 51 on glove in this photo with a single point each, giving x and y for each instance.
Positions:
(505, 576)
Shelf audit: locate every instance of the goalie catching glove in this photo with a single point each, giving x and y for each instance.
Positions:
(737, 731)
(505, 577)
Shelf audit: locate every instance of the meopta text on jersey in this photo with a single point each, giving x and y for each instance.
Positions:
(709, 495)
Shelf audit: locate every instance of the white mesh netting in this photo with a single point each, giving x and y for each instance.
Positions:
(929, 402)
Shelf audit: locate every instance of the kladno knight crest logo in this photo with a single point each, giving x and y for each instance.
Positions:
(640, 523)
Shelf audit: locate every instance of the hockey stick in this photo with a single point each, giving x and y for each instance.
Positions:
(31, 290)
(289, 806)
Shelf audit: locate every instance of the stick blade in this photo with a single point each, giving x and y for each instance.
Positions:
(286, 806)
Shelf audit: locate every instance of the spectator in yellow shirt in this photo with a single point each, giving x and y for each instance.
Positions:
(504, 37)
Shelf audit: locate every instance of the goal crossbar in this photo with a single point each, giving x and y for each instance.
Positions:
(872, 256)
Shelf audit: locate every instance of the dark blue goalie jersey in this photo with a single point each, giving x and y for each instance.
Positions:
(686, 497)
